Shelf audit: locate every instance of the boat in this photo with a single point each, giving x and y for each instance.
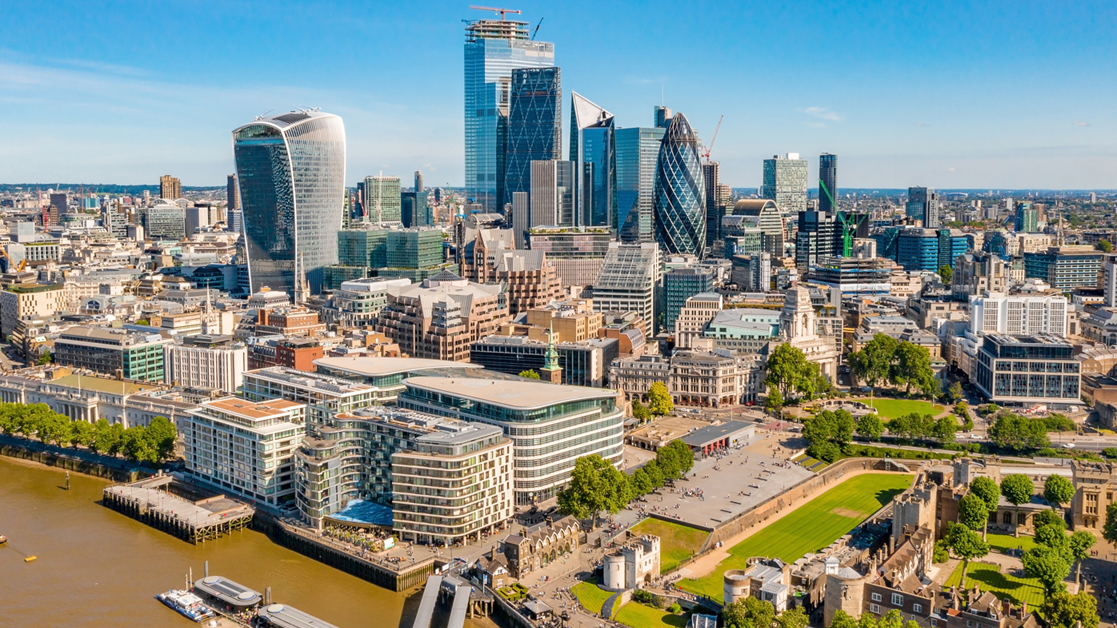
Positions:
(3, 539)
(29, 559)
(186, 604)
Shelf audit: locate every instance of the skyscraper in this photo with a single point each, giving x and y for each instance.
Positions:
(232, 197)
(534, 125)
(637, 152)
(493, 48)
(593, 151)
(923, 204)
(291, 172)
(169, 187)
(814, 240)
(662, 116)
(680, 191)
(1027, 218)
(382, 199)
(552, 195)
(715, 207)
(418, 181)
(827, 182)
(785, 182)
(414, 211)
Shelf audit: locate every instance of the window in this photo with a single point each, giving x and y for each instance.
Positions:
(897, 599)
(874, 608)
(916, 608)
(876, 597)
(934, 623)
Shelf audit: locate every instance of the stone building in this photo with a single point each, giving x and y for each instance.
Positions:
(531, 280)
(694, 378)
(527, 553)
(632, 565)
(799, 328)
(768, 580)
(1094, 486)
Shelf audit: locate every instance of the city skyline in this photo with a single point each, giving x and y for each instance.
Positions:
(131, 112)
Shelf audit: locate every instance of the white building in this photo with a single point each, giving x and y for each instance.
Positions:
(30, 299)
(634, 565)
(1019, 315)
(628, 281)
(693, 317)
(204, 361)
(245, 448)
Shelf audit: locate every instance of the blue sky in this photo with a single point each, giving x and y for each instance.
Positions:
(944, 94)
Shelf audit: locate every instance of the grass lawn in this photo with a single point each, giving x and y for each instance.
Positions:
(892, 408)
(810, 527)
(590, 596)
(676, 542)
(1002, 542)
(636, 615)
(1003, 585)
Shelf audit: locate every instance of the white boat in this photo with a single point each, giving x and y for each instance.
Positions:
(186, 604)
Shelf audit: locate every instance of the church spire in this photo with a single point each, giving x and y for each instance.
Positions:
(552, 372)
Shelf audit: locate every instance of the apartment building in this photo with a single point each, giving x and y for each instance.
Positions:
(207, 362)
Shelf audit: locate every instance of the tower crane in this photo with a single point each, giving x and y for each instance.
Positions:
(706, 150)
(536, 31)
(500, 11)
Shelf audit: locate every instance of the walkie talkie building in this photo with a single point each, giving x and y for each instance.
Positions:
(680, 191)
(291, 172)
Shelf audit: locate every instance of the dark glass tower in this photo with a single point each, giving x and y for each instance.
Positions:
(534, 125)
(680, 191)
(594, 153)
(828, 182)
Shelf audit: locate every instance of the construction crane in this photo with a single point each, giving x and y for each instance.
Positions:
(11, 263)
(500, 11)
(850, 222)
(707, 149)
(536, 31)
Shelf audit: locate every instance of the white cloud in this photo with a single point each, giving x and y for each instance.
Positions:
(822, 113)
(1077, 123)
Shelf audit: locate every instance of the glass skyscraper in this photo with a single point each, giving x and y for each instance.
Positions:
(534, 125)
(593, 151)
(637, 152)
(785, 182)
(382, 200)
(680, 191)
(827, 183)
(493, 49)
(291, 172)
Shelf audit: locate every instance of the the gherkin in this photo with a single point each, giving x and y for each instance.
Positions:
(680, 191)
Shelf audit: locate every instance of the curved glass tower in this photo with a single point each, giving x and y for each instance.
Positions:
(291, 171)
(680, 191)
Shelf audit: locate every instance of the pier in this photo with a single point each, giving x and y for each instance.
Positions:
(426, 605)
(195, 521)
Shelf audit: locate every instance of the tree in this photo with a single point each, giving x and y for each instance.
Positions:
(682, 454)
(843, 620)
(162, 435)
(1104, 246)
(749, 613)
(786, 367)
(1058, 491)
(531, 374)
(137, 446)
(774, 403)
(1047, 518)
(955, 392)
(824, 450)
(873, 363)
(1049, 566)
(44, 358)
(966, 544)
(640, 484)
(1063, 610)
(844, 425)
(640, 412)
(595, 485)
(946, 273)
(1055, 537)
(81, 433)
(1080, 544)
(972, 512)
(54, 428)
(1109, 530)
(870, 427)
(945, 429)
(913, 367)
(990, 493)
(1017, 489)
(792, 618)
(1018, 433)
(116, 438)
(655, 474)
(659, 400)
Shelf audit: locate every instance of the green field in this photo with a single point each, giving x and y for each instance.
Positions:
(590, 596)
(1002, 542)
(892, 408)
(676, 542)
(637, 615)
(1003, 585)
(809, 528)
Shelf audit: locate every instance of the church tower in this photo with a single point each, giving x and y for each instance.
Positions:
(551, 370)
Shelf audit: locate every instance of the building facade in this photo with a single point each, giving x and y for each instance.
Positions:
(1027, 370)
(593, 151)
(629, 281)
(785, 182)
(680, 192)
(637, 152)
(206, 362)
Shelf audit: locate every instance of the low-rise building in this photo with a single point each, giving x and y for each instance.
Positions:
(634, 565)
(699, 378)
(768, 580)
(526, 553)
(24, 300)
(116, 352)
(90, 398)
(583, 363)
(1027, 370)
(324, 395)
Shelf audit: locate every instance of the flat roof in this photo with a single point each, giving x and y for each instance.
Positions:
(103, 384)
(283, 616)
(712, 433)
(367, 366)
(521, 395)
(232, 593)
(250, 410)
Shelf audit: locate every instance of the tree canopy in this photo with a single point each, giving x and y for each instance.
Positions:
(972, 512)
(1049, 566)
(595, 485)
(659, 399)
(152, 444)
(1018, 433)
(750, 612)
(1058, 490)
(791, 373)
(531, 374)
(870, 427)
(1063, 610)
(965, 544)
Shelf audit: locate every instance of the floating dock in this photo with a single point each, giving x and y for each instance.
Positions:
(426, 605)
(203, 520)
(283, 616)
(233, 595)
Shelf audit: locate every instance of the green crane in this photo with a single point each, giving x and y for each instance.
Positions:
(849, 225)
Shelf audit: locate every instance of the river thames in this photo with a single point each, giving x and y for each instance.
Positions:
(98, 568)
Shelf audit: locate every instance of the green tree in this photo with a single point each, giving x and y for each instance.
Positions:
(1063, 610)
(774, 403)
(786, 368)
(137, 446)
(1058, 491)
(44, 358)
(1049, 566)
(659, 400)
(530, 374)
(966, 544)
(821, 428)
(749, 613)
(955, 392)
(844, 426)
(81, 433)
(640, 483)
(1109, 530)
(945, 429)
(1018, 489)
(116, 438)
(1080, 544)
(1104, 246)
(873, 363)
(946, 273)
(1018, 433)
(843, 620)
(973, 513)
(990, 493)
(162, 435)
(595, 485)
(792, 618)
(824, 450)
(870, 427)
(640, 412)
(103, 437)
(54, 428)
(913, 368)
(655, 474)
(1055, 537)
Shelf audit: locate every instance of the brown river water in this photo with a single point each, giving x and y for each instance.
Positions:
(98, 568)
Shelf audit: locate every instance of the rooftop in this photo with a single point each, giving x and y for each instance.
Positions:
(283, 616)
(104, 384)
(520, 395)
(707, 435)
(255, 411)
(380, 367)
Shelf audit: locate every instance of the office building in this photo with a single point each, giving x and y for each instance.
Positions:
(28, 299)
(680, 284)
(534, 125)
(357, 302)
(576, 255)
(1018, 314)
(976, 274)
(693, 378)
(785, 182)
(1109, 285)
(114, 352)
(1024, 370)
(693, 317)
(414, 211)
(717, 201)
(770, 221)
(366, 246)
(164, 222)
(923, 204)
(419, 181)
(582, 363)
(629, 280)
(593, 151)
(59, 201)
(915, 248)
(382, 199)
(291, 171)
(552, 195)
(550, 426)
(637, 152)
(493, 49)
(530, 280)
(386, 374)
(206, 362)
(440, 318)
(232, 194)
(1065, 268)
(814, 242)
(197, 218)
(1027, 218)
(245, 448)
(854, 276)
(325, 395)
(828, 183)
(680, 193)
(170, 188)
